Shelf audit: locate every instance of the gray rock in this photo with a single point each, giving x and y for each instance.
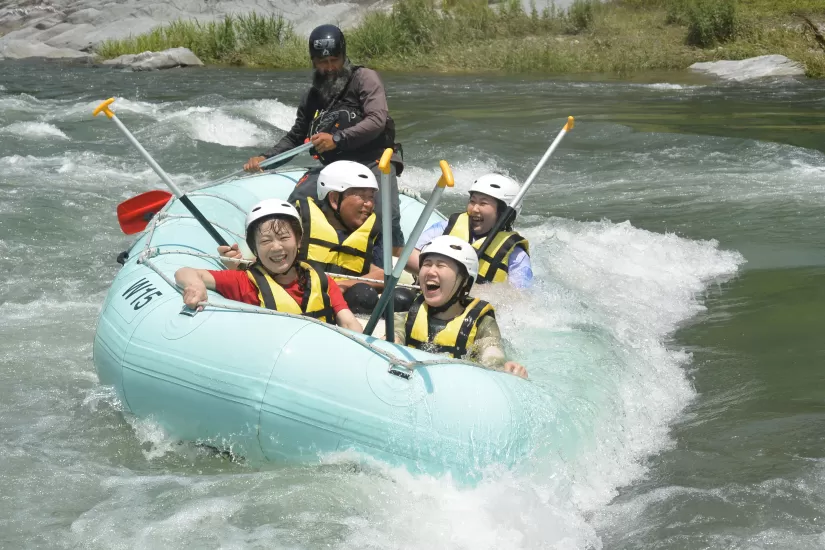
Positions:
(152, 61)
(748, 69)
(121, 62)
(87, 15)
(19, 49)
(81, 25)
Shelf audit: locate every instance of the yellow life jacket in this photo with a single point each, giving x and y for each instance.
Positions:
(493, 266)
(321, 247)
(315, 303)
(455, 338)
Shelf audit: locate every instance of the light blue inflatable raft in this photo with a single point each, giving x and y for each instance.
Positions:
(275, 387)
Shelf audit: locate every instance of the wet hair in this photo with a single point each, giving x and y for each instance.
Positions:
(278, 222)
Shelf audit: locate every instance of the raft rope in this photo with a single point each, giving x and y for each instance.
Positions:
(398, 366)
(157, 252)
(393, 360)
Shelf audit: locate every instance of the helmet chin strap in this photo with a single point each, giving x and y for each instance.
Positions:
(336, 211)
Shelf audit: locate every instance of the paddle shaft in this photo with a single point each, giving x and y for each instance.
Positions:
(175, 189)
(389, 287)
(272, 162)
(510, 213)
(386, 218)
(386, 223)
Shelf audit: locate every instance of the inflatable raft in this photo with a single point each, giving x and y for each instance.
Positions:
(273, 387)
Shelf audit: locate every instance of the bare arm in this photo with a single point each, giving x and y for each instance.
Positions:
(412, 262)
(194, 283)
(399, 323)
(346, 319)
(230, 252)
(487, 349)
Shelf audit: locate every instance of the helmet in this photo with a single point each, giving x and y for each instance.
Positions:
(327, 40)
(497, 186)
(271, 207)
(456, 249)
(345, 174)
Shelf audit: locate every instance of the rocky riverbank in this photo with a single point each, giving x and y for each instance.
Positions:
(619, 36)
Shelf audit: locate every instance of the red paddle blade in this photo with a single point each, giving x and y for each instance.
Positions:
(134, 214)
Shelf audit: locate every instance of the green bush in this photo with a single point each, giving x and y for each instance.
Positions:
(224, 41)
(375, 37)
(581, 14)
(417, 25)
(710, 22)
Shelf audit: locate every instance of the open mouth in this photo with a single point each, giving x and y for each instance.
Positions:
(431, 286)
(477, 220)
(277, 259)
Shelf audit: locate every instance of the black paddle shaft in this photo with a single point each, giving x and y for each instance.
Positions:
(202, 220)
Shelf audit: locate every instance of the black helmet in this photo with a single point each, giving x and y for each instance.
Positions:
(327, 40)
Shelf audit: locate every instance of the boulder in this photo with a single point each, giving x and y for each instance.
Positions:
(19, 49)
(85, 24)
(151, 61)
(754, 67)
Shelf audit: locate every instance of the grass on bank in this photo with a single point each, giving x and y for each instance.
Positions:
(618, 36)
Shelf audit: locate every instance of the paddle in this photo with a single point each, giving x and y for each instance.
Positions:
(134, 214)
(104, 108)
(386, 219)
(446, 180)
(509, 214)
(272, 162)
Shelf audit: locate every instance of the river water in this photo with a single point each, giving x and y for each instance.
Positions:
(677, 240)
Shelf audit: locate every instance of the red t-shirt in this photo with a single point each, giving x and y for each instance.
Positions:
(235, 285)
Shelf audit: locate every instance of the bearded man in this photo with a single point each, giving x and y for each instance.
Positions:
(345, 116)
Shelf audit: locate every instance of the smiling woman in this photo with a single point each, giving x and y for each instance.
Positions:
(276, 281)
(444, 318)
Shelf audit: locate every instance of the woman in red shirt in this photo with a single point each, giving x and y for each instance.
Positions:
(276, 281)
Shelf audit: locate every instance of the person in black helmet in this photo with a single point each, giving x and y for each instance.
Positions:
(345, 115)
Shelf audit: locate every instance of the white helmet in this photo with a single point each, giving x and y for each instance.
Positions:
(271, 207)
(456, 249)
(497, 186)
(345, 174)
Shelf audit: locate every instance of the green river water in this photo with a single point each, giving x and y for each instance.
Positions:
(680, 225)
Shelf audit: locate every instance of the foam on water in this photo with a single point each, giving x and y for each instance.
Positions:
(668, 86)
(802, 530)
(212, 125)
(121, 107)
(594, 334)
(87, 170)
(11, 105)
(465, 172)
(651, 168)
(269, 111)
(34, 130)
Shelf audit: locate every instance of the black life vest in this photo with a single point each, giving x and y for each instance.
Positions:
(341, 113)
